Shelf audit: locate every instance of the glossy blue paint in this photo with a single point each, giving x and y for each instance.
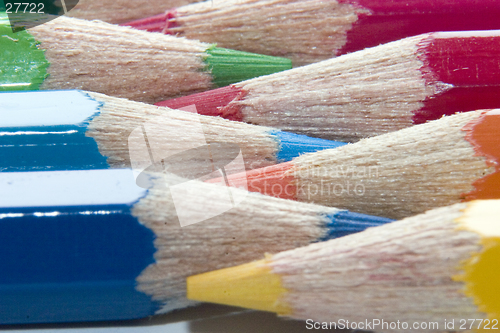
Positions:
(345, 222)
(292, 145)
(48, 148)
(66, 264)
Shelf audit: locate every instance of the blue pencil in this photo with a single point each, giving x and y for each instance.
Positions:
(90, 245)
(76, 130)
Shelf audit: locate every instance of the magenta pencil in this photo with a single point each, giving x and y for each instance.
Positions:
(308, 31)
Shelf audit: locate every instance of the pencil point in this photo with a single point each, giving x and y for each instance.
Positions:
(252, 286)
(215, 102)
(292, 145)
(154, 23)
(231, 66)
(23, 65)
(345, 222)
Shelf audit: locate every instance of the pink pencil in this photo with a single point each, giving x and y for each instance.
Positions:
(308, 31)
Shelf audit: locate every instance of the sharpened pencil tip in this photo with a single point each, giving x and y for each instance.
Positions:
(252, 286)
(231, 66)
(345, 222)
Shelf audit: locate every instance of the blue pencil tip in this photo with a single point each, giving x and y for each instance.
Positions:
(345, 222)
(292, 145)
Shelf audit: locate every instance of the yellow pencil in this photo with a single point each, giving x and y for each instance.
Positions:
(439, 267)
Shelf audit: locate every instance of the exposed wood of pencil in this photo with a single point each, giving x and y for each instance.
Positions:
(118, 11)
(236, 236)
(383, 83)
(271, 26)
(120, 61)
(119, 117)
(370, 92)
(143, 224)
(407, 271)
(396, 174)
(314, 30)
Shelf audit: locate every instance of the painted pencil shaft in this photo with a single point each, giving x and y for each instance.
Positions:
(397, 174)
(418, 273)
(71, 129)
(92, 245)
(370, 92)
(69, 53)
(119, 11)
(308, 31)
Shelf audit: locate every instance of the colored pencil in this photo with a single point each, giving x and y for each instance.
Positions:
(441, 266)
(69, 53)
(397, 174)
(119, 11)
(369, 92)
(91, 245)
(72, 129)
(308, 31)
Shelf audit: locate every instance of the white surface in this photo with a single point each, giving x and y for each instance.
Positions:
(68, 188)
(482, 217)
(457, 34)
(35, 133)
(205, 318)
(47, 108)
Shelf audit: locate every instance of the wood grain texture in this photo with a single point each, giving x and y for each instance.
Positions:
(257, 224)
(119, 117)
(401, 271)
(119, 11)
(347, 98)
(397, 174)
(120, 61)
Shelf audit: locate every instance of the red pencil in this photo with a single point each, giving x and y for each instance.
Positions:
(370, 92)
